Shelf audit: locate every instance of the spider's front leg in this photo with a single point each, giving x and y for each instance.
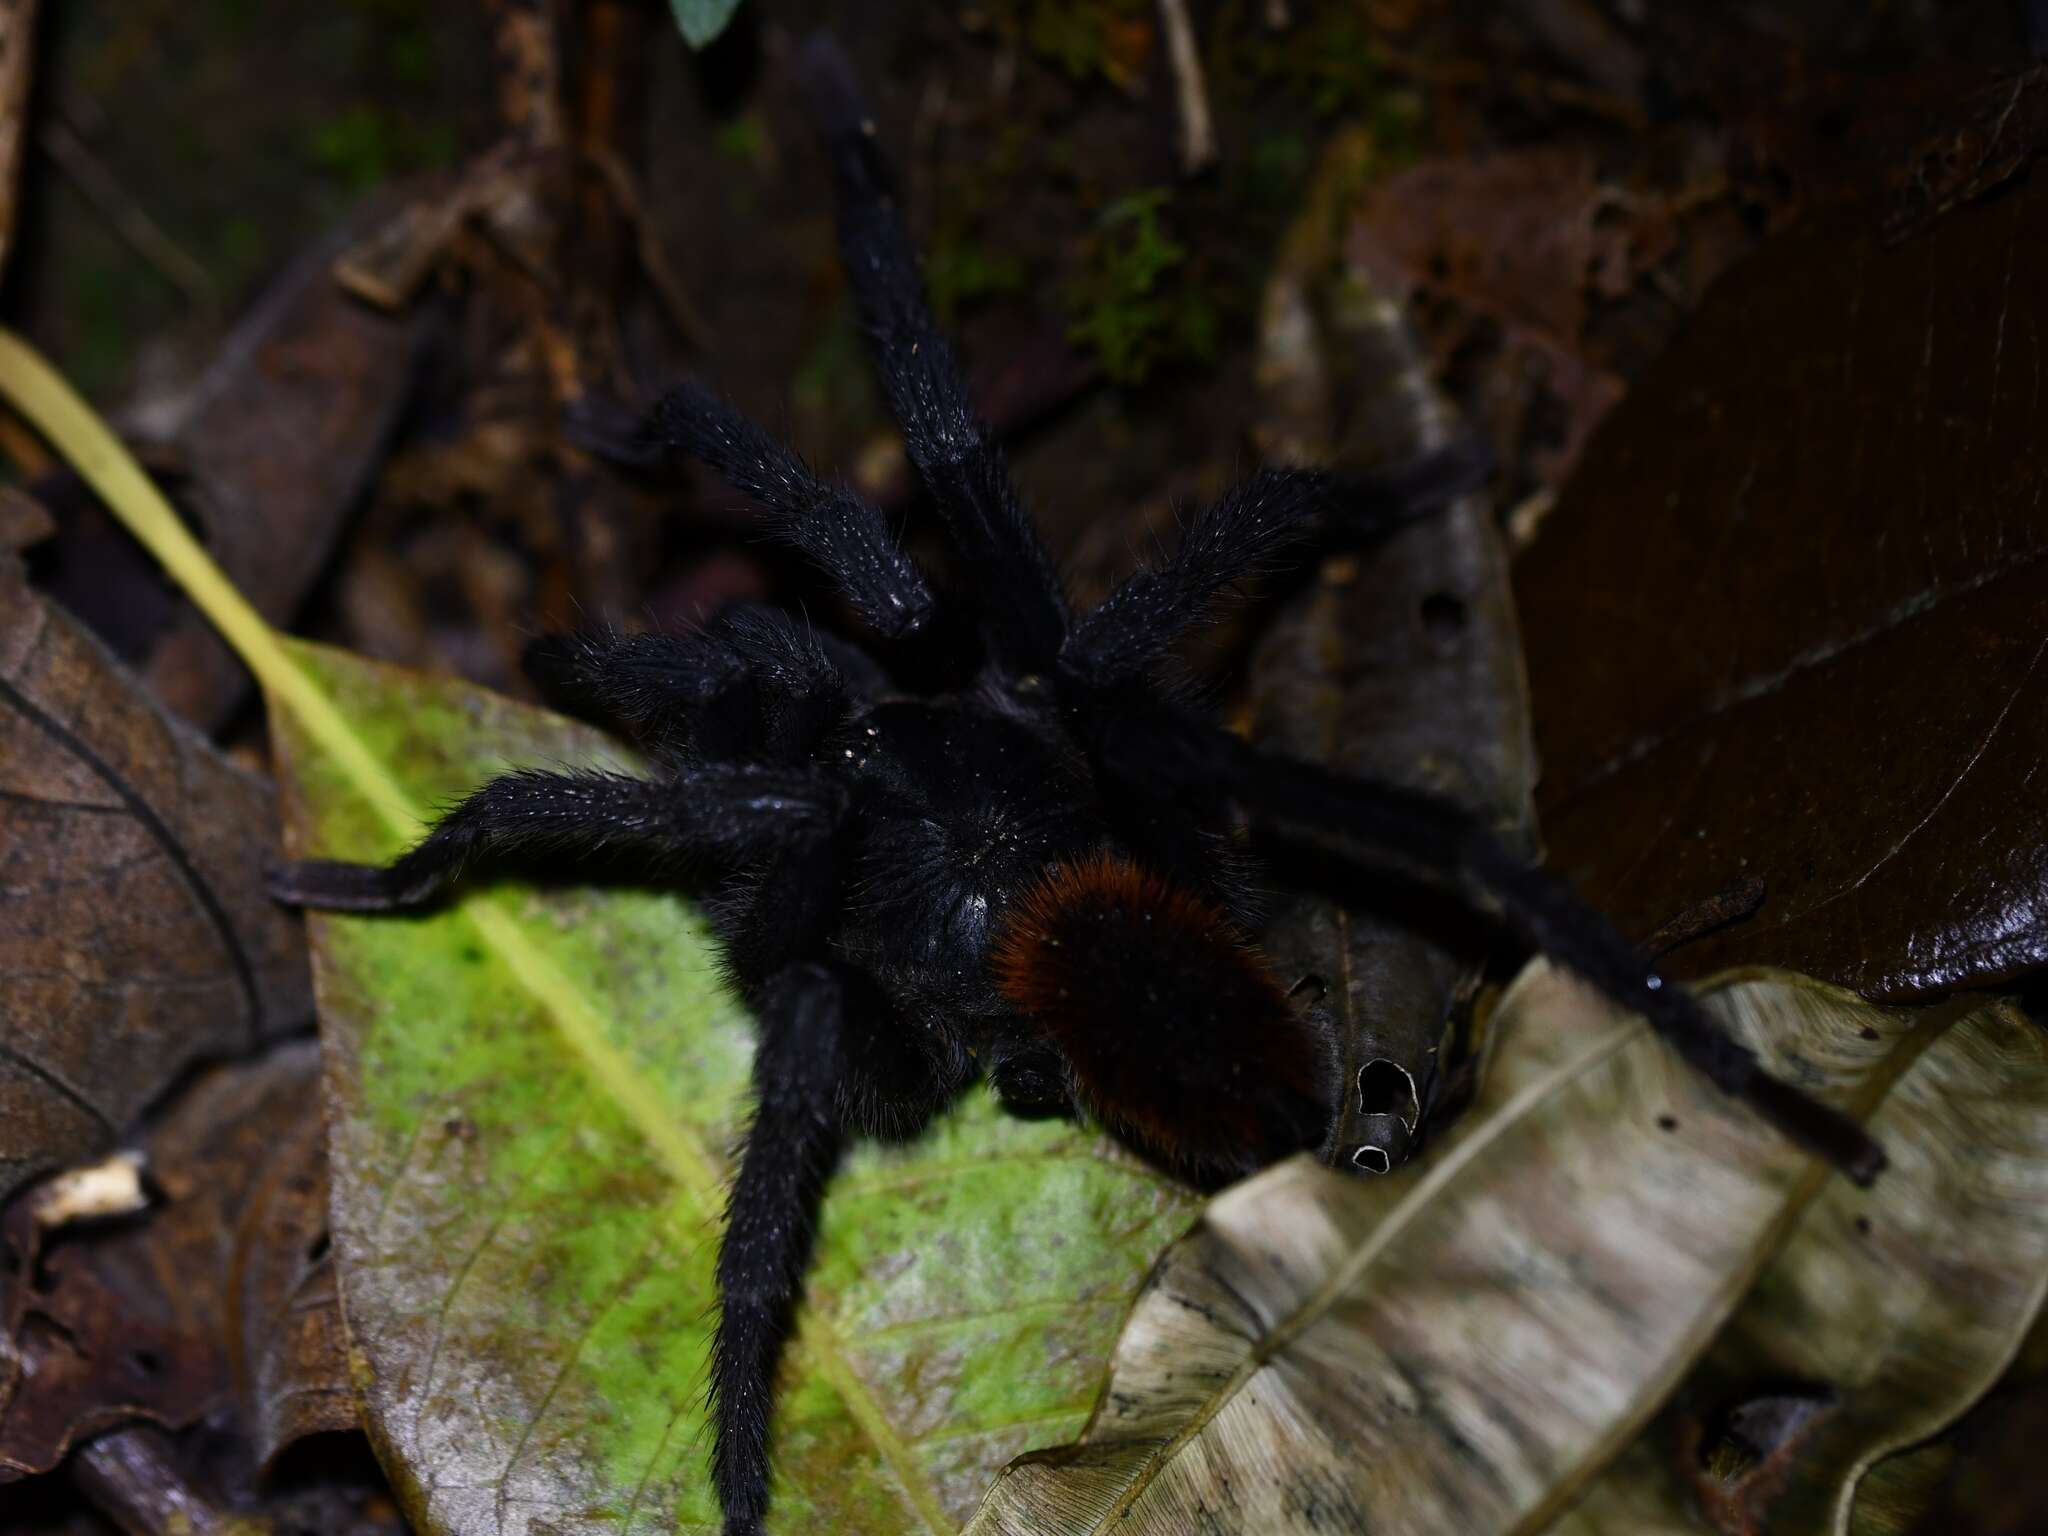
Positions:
(1247, 526)
(846, 537)
(529, 818)
(1019, 594)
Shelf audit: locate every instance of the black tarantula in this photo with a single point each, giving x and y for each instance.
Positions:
(1035, 877)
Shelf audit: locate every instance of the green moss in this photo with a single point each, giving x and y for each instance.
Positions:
(411, 56)
(960, 273)
(1135, 305)
(1327, 59)
(745, 139)
(833, 381)
(1083, 39)
(364, 146)
(98, 317)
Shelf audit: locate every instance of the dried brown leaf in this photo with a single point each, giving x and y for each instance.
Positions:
(1789, 618)
(290, 1347)
(135, 936)
(279, 440)
(1400, 662)
(132, 1320)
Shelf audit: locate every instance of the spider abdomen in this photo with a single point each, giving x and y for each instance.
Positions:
(1173, 1028)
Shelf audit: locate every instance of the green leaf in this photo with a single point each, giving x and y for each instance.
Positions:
(1459, 1347)
(533, 1098)
(703, 20)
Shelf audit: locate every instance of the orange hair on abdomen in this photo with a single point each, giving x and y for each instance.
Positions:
(1175, 1031)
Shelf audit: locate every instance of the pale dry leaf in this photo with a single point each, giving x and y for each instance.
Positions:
(1903, 1302)
(1462, 1346)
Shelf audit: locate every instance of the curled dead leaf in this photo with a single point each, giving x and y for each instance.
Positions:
(1401, 662)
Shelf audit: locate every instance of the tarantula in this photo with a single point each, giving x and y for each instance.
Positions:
(1038, 876)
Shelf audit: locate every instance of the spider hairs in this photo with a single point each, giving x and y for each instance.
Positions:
(1030, 873)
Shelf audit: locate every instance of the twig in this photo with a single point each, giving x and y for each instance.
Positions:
(17, 34)
(661, 276)
(1734, 903)
(1197, 131)
(148, 238)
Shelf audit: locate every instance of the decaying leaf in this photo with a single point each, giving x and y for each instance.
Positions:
(1791, 616)
(1400, 662)
(280, 438)
(135, 936)
(1901, 1303)
(532, 1098)
(284, 1311)
(1994, 134)
(133, 1319)
(1460, 1347)
(142, 1479)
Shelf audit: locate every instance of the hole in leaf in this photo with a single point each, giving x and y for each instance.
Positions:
(1443, 617)
(1372, 1160)
(1385, 1087)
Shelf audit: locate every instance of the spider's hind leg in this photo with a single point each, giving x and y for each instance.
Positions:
(1431, 839)
(820, 1028)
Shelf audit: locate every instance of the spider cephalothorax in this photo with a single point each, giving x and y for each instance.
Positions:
(1030, 875)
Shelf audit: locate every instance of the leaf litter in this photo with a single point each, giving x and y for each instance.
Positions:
(1465, 1345)
(136, 939)
(459, 1129)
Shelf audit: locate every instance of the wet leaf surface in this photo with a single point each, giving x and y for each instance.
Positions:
(135, 936)
(1400, 662)
(533, 1099)
(134, 1318)
(1789, 619)
(1459, 1347)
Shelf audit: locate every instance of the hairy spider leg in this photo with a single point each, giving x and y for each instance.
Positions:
(1023, 609)
(722, 811)
(845, 536)
(1236, 535)
(754, 684)
(1430, 838)
(771, 1219)
(664, 690)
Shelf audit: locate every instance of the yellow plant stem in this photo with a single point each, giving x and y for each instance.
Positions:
(50, 405)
